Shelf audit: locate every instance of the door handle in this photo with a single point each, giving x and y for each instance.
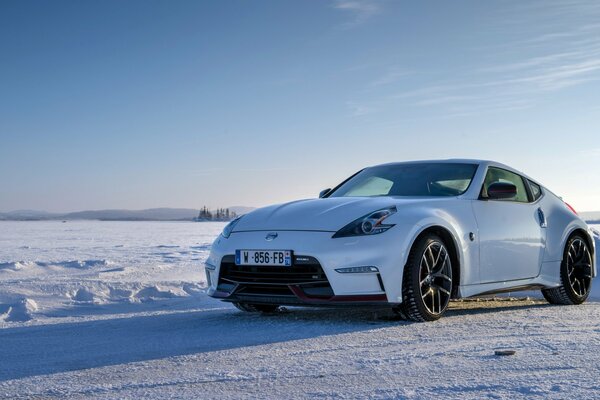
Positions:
(542, 217)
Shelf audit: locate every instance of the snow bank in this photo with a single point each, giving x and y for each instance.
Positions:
(101, 293)
(82, 295)
(77, 264)
(89, 269)
(16, 266)
(193, 289)
(154, 293)
(21, 311)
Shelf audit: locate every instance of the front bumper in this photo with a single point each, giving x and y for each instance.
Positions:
(303, 283)
(321, 284)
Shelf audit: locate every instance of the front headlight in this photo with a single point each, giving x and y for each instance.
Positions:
(370, 224)
(229, 227)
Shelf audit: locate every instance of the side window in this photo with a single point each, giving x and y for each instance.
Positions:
(536, 190)
(501, 175)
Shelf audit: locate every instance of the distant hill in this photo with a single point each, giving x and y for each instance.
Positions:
(151, 214)
(27, 214)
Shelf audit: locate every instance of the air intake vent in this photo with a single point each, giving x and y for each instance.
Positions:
(267, 281)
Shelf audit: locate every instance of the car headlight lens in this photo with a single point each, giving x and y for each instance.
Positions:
(229, 227)
(370, 224)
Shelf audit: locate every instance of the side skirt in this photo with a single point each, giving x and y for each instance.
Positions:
(507, 286)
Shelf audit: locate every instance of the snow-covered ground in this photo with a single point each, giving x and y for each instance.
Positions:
(84, 269)
(117, 310)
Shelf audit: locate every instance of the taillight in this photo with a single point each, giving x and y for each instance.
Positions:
(571, 208)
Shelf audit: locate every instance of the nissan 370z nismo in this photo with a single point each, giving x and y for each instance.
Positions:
(412, 235)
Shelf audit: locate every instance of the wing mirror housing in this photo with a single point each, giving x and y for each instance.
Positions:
(324, 192)
(501, 190)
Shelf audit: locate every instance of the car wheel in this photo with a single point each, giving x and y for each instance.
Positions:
(575, 274)
(254, 308)
(427, 282)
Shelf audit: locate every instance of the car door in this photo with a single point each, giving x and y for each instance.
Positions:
(511, 231)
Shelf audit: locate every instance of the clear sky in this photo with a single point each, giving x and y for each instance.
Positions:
(138, 104)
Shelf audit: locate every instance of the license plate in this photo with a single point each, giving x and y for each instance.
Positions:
(278, 258)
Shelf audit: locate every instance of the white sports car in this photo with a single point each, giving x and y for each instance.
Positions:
(412, 235)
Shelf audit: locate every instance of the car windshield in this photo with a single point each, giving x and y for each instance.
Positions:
(416, 179)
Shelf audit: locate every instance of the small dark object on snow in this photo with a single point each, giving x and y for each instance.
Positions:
(505, 352)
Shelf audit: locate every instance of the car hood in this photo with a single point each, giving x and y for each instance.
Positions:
(329, 214)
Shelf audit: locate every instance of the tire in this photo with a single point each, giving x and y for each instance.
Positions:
(255, 308)
(575, 274)
(427, 280)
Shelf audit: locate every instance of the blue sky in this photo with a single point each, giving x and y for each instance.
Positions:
(137, 104)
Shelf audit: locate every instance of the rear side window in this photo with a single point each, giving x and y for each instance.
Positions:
(501, 175)
(536, 190)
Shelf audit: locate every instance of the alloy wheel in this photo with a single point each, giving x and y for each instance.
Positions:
(579, 267)
(435, 278)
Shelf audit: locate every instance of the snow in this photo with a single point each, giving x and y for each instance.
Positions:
(19, 311)
(62, 266)
(117, 310)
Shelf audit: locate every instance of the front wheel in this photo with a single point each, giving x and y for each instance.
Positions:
(575, 274)
(255, 308)
(427, 281)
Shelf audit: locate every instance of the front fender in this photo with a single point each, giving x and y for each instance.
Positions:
(459, 221)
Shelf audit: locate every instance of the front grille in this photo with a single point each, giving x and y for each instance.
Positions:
(299, 273)
(243, 281)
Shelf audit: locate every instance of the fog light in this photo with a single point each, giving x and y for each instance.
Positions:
(357, 270)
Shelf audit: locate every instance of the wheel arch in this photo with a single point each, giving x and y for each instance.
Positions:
(451, 242)
(589, 240)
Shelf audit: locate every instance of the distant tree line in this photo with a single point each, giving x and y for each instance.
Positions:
(220, 214)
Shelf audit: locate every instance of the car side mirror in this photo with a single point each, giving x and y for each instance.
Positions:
(501, 190)
(324, 192)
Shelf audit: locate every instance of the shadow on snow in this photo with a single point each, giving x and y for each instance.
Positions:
(54, 348)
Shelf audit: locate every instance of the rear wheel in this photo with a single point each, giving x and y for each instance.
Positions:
(427, 282)
(575, 274)
(255, 308)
